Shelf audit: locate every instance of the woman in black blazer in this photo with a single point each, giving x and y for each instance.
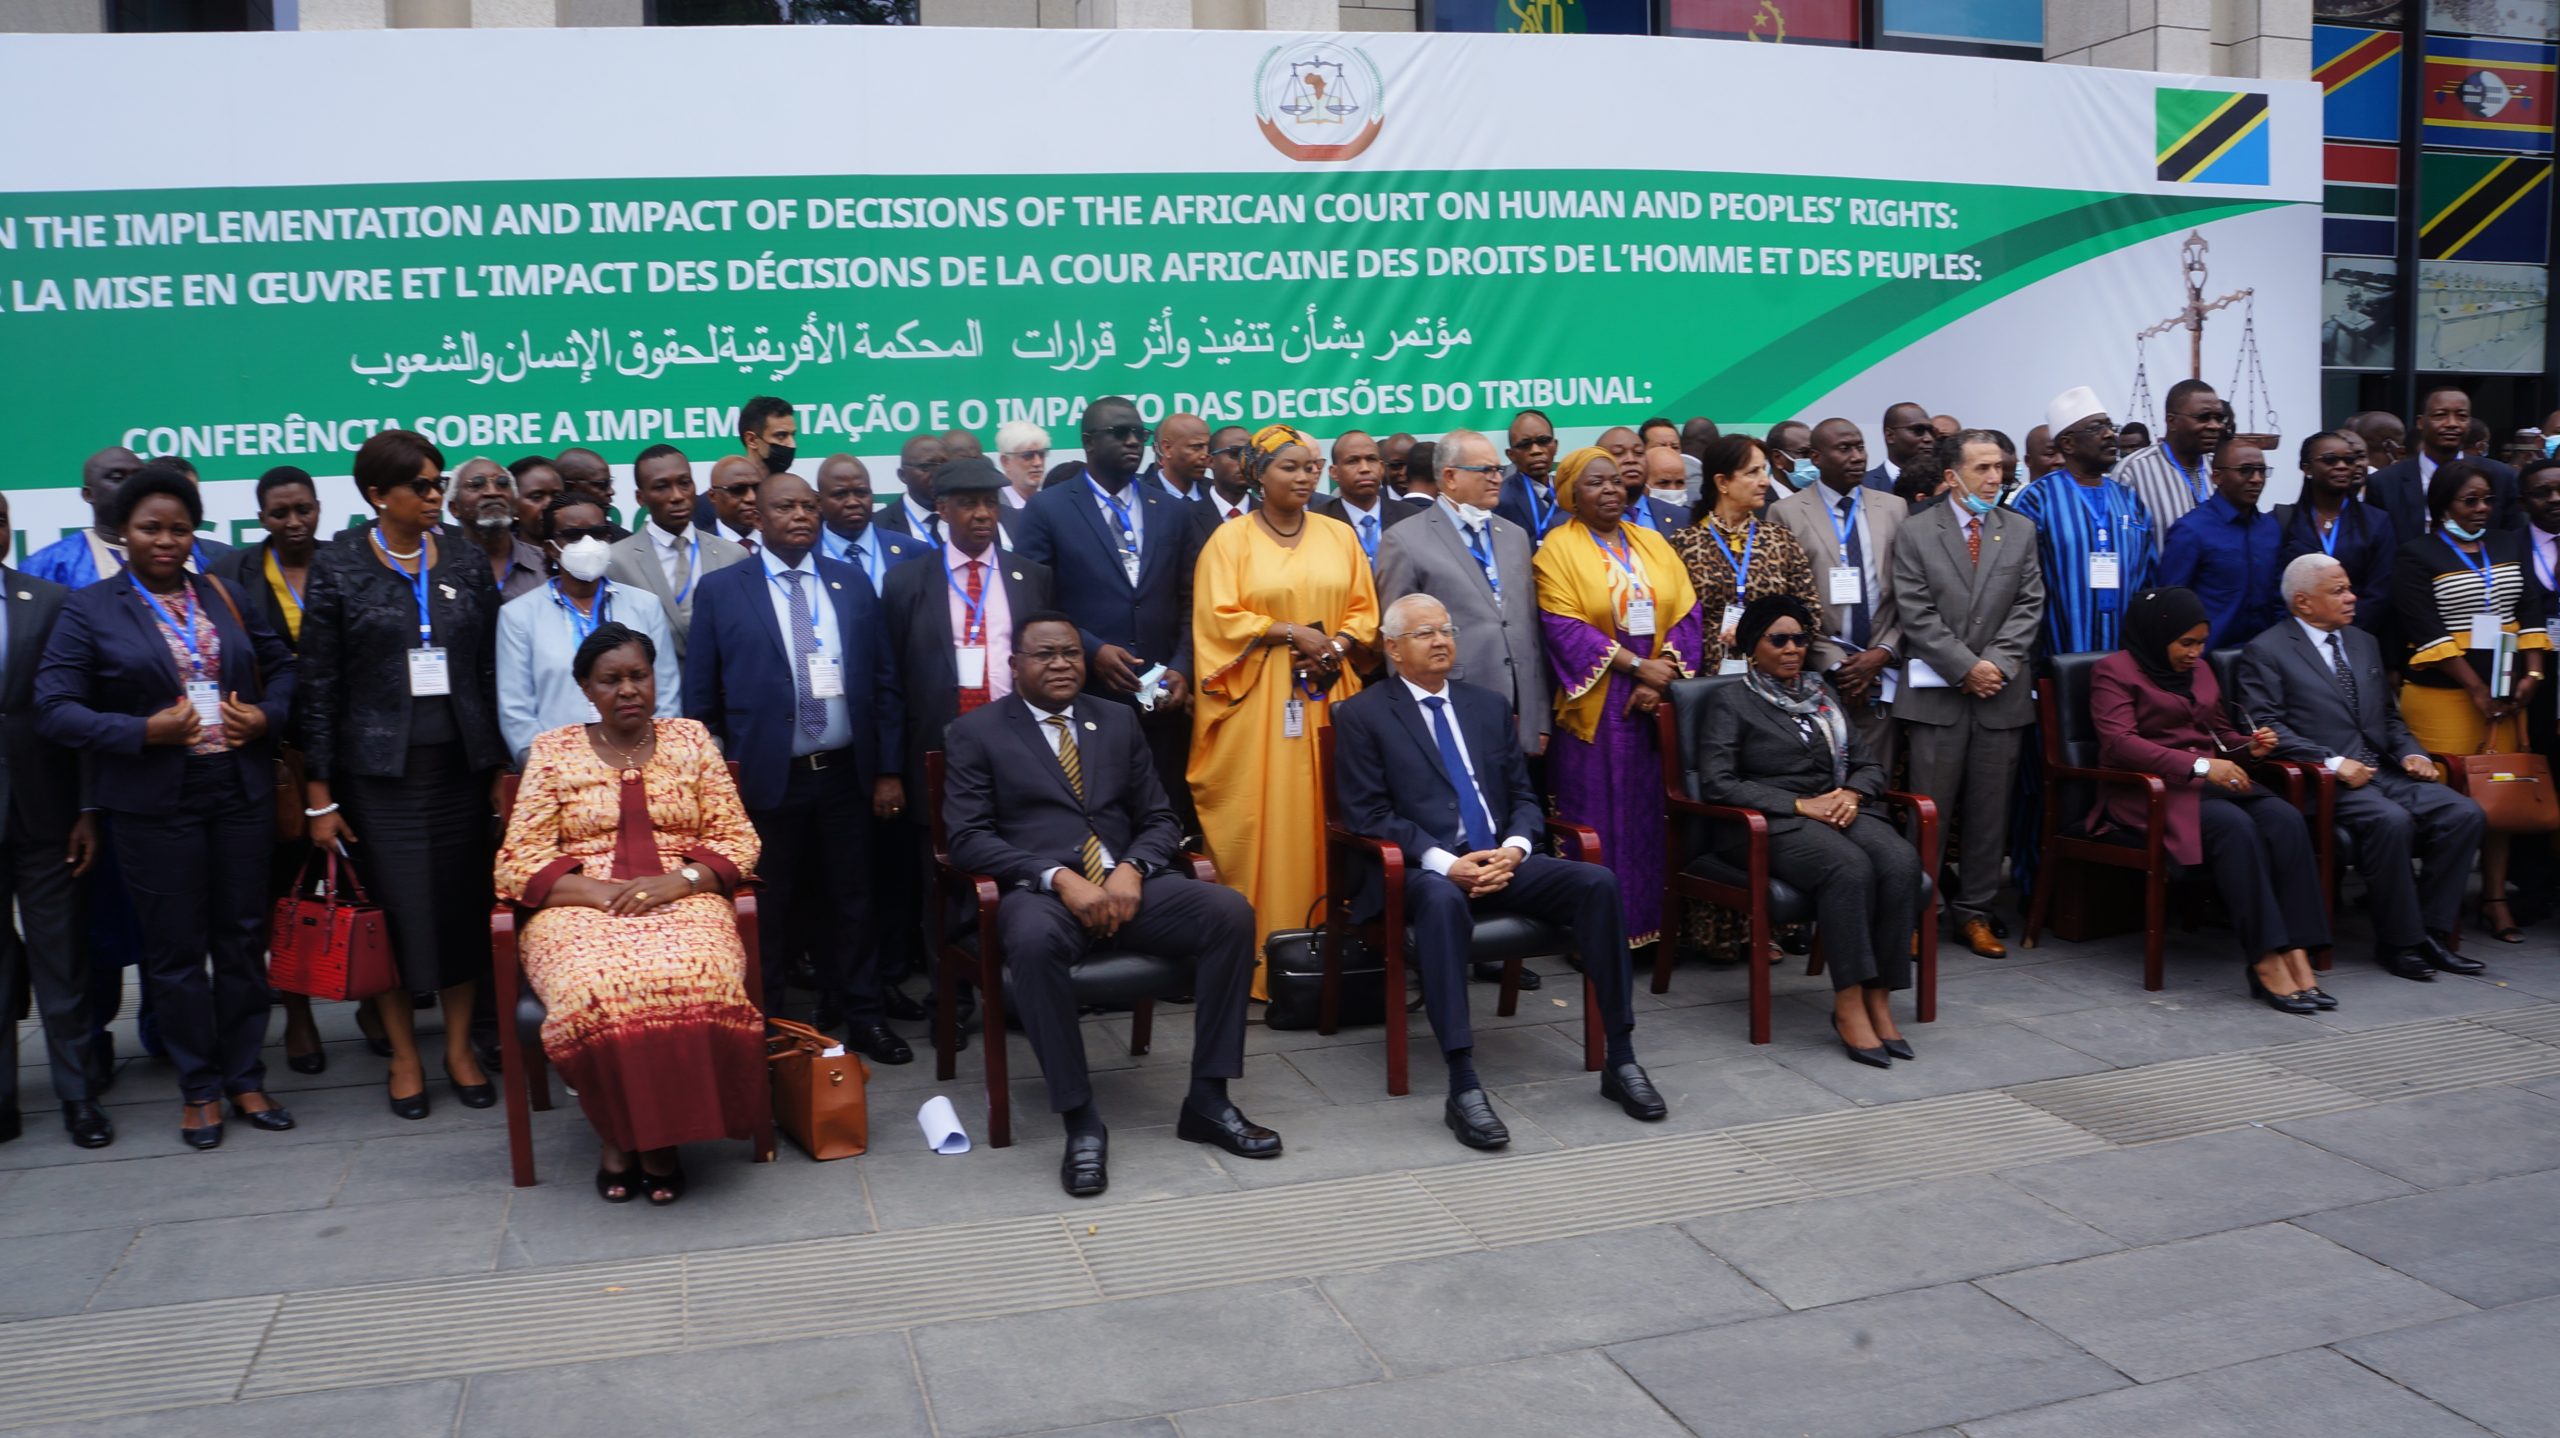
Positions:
(399, 729)
(175, 693)
(1780, 742)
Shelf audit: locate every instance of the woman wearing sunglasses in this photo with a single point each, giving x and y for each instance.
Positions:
(540, 630)
(1780, 742)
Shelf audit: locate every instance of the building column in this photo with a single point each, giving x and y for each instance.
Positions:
(2254, 39)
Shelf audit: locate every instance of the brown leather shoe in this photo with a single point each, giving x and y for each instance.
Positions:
(1978, 937)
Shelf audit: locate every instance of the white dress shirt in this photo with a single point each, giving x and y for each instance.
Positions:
(864, 553)
(679, 555)
(1438, 860)
(1040, 720)
(839, 730)
(998, 616)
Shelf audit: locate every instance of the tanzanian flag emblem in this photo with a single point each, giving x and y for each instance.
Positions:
(2212, 137)
(2484, 207)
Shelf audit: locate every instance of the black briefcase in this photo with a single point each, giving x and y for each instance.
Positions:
(1296, 980)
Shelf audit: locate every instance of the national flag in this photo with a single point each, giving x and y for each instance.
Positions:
(2212, 137)
(2487, 94)
(2361, 202)
(2359, 75)
(1790, 22)
(2484, 207)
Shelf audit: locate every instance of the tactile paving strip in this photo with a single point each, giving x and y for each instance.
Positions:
(2409, 1060)
(883, 1280)
(2174, 1100)
(1860, 1150)
(352, 1337)
(1592, 1190)
(2542, 1025)
(56, 1370)
(1268, 1233)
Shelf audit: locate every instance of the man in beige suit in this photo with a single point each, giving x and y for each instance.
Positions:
(1969, 593)
(1848, 531)
(668, 555)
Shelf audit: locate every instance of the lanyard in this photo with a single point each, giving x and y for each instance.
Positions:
(2534, 547)
(587, 624)
(1128, 525)
(276, 568)
(1844, 527)
(1741, 566)
(186, 632)
(2100, 515)
(1624, 556)
(976, 609)
(417, 583)
(817, 637)
(1538, 509)
(2195, 486)
(1478, 546)
(2488, 599)
(2329, 537)
(692, 569)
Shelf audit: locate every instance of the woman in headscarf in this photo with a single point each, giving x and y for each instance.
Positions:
(2158, 710)
(1780, 742)
(1621, 622)
(1282, 613)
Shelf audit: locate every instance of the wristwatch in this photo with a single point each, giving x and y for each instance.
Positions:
(2203, 767)
(691, 876)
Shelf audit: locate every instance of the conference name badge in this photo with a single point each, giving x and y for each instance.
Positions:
(826, 677)
(1293, 718)
(2485, 631)
(1847, 585)
(206, 696)
(1640, 616)
(430, 673)
(972, 659)
(2102, 572)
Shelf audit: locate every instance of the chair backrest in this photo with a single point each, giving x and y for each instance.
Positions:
(2226, 677)
(2070, 738)
(1324, 774)
(933, 768)
(1689, 723)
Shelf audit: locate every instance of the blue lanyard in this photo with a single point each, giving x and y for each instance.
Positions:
(186, 632)
(1624, 558)
(417, 583)
(1843, 528)
(2195, 486)
(817, 636)
(2488, 598)
(2329, 540)
(976, 609)
(1128, 526)
(692, 570)
(1484, 559)
(603, 607)
(285, 579)
(1742, 566)
(1538, 510)
(2100, 515)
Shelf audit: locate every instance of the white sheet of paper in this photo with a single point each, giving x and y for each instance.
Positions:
(1730, 666)
(941, 1125)
(2485, 631)
(1921, 676)
(430, 673)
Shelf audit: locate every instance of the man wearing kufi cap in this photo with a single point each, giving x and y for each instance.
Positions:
(2092, 534)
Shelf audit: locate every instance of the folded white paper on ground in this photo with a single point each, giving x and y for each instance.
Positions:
(1924, 677)
(941, 1125)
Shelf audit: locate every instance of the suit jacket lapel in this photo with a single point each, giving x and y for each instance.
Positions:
(147, 629)
(20, 660)
(1084, 504)
(765, 619)
(1026, 730)
(1159, 515)
(1446, 530)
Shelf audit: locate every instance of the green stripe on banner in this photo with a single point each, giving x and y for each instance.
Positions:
(2380, 201)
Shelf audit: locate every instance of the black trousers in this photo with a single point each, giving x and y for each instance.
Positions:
(899, 889)
(198, 877)
(44, 948)
(1582, 897)
(1865, 882)
(816, 898)
(423, 850)
(2259, 852)
(114, 943)
(2396, 821)
(1168, 735)
(1178, 918)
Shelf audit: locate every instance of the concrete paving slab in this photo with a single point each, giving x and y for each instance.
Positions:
(1917, 1236)
(818, 1388)
(729, 1202)
(406, 1410)
(1534, 1398)
(1954, 1060)
(55, 1273)
(2188, 1187)
(2446, 1139)
(2172, 1024)
(2493, 1368)
(241, 1177)
(913, 1187)
(1706, 1094)
(2489, 1243)
(2313, 1394)
(317, 1248)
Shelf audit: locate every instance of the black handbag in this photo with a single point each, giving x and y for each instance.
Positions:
(1295, 977)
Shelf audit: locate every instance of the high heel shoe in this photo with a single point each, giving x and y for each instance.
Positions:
(607, 1180)
(2281, 1003)
(1872, 1058)
(1900, 1048)
(314, 1062)
(473, 1095)
(2506, 933)
(207, 1137)
(413, 1108)
(2319, 998)
(274, 1118)
(663, 1188)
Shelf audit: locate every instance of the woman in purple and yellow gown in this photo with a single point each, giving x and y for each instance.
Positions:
(1621, 622)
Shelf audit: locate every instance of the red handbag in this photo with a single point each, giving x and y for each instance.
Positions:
(326, 947)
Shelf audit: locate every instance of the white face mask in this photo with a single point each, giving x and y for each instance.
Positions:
(1471, 514)
(585, 559)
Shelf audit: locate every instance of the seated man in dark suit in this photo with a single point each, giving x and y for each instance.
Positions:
(1427, 765)
(2318, 681)
(1082, 839)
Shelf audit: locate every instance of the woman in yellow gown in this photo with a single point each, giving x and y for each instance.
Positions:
(1282, 611)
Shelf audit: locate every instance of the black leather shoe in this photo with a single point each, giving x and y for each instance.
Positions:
(2319, 998)
(1085, 1171)
(879, 1043)
(1626, 1086)
(207, 1137)
(274, 1118)
(473, 1095)
(88, 1124)
(1900, 1048)
(2407, 964)
(2442, 958)
(1229, 1130)
(1875, 1058)
(898, 1006)
(1470, 1116)
(2281, 1003)
(314, 1062)
(413, 1107)
(1492, 974)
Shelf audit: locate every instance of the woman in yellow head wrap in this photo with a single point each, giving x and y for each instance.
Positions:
(1282, 612)
(1621, 622)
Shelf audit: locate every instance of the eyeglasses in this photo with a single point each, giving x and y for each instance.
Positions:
(1230, 451)
(572, 533)
(1797, 640)
(1026, 454)
(424, 488)
(1126, 433)
(1535, 441)
(2246, 471)
(744, 490)
(500, 480)
(1428, 632)
(1475, 468)
(2213, 416)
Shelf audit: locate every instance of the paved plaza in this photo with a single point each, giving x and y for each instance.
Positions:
(2086, 1210)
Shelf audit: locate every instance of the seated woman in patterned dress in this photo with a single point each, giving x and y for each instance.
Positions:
(628, 836)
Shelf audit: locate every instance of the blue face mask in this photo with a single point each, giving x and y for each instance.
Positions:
(1803, 473)
(2467, 536)
(1976, 503)
(2550, 445)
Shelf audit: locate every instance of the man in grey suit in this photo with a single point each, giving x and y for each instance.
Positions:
(2318, 681)
(669, 555)
(1969, 594)
(1477, 564)
(1848, 531)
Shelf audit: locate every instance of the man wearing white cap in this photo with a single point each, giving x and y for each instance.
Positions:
(2094, 536)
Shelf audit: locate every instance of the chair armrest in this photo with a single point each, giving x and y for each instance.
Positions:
(1921, 812)
(983, 891)
(2289, 777)
(2454, 776)
(1580, 842)
(1752, 819)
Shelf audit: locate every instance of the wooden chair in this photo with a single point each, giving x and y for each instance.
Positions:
(1693, 871)
(524, 1073)
(2072, 780)
(1507, 939)
(970, 953)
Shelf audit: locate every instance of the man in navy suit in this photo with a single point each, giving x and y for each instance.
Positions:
(2400, 488)
(1120, 556)
(1434, 767)
(1907, 433)
(1528, 486)
(788, 667)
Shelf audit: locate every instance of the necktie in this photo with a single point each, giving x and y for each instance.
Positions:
(804, 643)
(1478, 825)
(1856, 560)
(2346, 676)
(1973, 538)
(1484, 557)
(1369, 534)
(976, 613)
(684, 570)
(1089, 853)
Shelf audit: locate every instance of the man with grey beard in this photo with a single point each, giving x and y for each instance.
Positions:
(484, 504)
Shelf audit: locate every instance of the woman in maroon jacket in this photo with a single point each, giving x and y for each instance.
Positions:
(2158, 710)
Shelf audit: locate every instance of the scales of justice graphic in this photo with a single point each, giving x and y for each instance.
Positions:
(1319, 93)
(2248, 388)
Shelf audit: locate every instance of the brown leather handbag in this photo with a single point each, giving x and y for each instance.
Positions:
(2513, 790)
(333, 946)
(818, 1096)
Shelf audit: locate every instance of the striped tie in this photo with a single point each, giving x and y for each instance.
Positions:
(1089, 855)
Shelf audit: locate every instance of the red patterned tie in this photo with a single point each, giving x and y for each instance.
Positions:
(975, 616)
(1973, 539)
